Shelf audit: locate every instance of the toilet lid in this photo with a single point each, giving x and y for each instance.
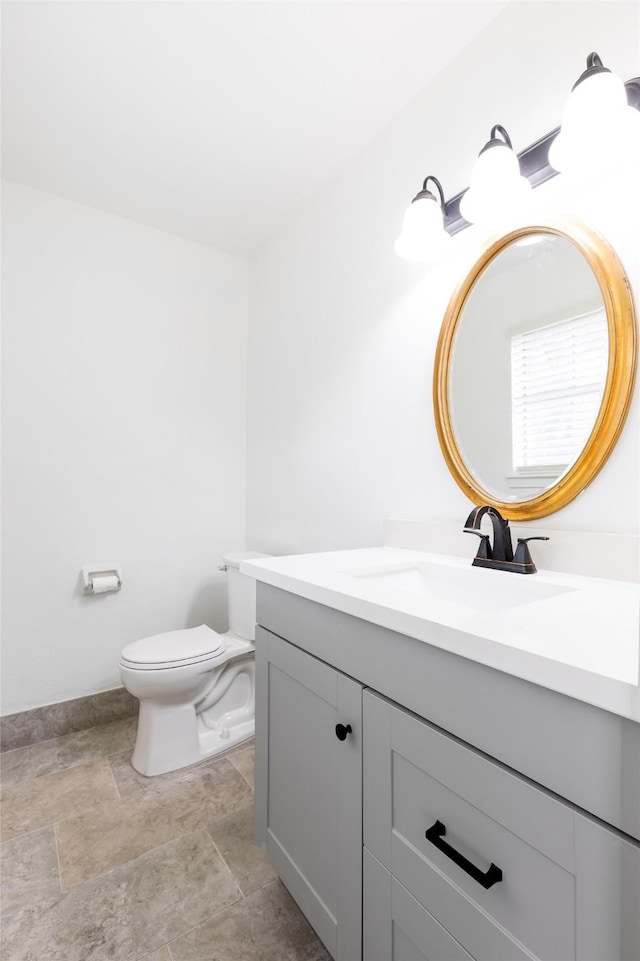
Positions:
(175, 647)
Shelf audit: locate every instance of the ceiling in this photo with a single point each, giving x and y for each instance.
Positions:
(212, 120)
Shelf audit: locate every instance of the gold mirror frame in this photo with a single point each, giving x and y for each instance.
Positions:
(618, 391)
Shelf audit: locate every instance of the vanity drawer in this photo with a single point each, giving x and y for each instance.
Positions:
(396, 927)
(417, 776)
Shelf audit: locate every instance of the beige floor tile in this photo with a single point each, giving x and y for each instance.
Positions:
(233, 836)
(92, 843)
(244, 762)
(161, 955)
(128, 912)
(131, 784)
(139, 870)
(181, 884)
(44, 800)
(57, 754)
(267, 926)
(28, 871)
(242, 746)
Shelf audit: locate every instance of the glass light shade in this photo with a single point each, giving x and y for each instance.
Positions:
(599, 131)
(497, 188)
(423, 235)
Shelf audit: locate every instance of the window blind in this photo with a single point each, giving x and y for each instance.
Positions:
(557, 379)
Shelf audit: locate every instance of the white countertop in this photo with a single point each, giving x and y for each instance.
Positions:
(584, 643)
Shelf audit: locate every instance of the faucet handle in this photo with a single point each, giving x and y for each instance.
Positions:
(522, 556)
(484, 548)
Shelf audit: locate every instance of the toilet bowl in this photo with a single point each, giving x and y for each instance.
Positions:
(196, 687)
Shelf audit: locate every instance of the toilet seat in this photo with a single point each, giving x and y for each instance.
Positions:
(172, 649)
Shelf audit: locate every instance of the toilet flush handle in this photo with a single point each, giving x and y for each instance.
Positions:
(222, 567)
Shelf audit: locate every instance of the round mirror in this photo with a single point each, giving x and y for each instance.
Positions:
(534, 369)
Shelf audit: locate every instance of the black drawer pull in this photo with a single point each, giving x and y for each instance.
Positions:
(436, 833)
(342, 731)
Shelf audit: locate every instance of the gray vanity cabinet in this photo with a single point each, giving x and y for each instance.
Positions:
(498, 771)
(309, 787)
(561, 885)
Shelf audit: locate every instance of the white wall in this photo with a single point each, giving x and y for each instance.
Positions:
(343, 333)
(124, 438)
(125, 381)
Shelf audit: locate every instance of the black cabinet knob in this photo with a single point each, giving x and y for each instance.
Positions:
(342, 731)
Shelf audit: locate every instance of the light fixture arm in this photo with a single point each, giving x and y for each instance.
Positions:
(594, 65)
(499, 129)
(534, 159)
(425, 189)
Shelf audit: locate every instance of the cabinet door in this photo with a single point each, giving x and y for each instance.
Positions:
(309, 789)
(399, 928)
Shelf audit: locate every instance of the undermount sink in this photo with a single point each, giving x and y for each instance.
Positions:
(471, 587)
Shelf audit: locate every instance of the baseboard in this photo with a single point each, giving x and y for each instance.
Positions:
(65, 717)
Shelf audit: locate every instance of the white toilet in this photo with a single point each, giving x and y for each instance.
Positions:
(196, 688)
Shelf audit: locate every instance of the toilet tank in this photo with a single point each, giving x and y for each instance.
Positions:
(241, 595)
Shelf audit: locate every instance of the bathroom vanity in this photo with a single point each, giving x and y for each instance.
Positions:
(448, 758)
(431, 781)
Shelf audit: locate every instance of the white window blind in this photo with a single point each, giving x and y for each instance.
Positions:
(557, 378)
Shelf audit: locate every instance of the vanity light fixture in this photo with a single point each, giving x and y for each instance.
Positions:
(599, 128)
(423, 234)
(600, 103)
(497, 188)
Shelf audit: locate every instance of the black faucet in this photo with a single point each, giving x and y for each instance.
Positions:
(499, 556)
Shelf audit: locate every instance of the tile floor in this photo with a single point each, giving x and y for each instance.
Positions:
(101, 864)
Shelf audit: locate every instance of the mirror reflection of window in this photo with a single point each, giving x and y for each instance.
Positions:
(529, 365)
(558, 374)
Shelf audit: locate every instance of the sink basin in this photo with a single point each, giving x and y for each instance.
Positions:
(472, 587)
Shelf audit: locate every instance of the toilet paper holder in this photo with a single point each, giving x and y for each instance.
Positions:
(100, 578)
